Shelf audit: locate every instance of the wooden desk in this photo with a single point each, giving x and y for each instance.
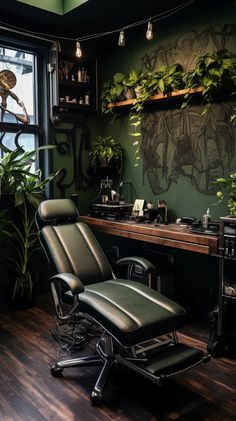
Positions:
(166, 235)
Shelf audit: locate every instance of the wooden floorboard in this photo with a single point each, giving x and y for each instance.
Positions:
(29, 392)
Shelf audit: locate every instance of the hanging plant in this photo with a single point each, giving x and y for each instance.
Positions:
(144, 89)
(164, 80)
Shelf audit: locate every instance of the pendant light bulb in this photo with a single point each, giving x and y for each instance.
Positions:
(78, 51)
(121, 41)
(149, 33)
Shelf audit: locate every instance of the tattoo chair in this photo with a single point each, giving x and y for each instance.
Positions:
(138, 323)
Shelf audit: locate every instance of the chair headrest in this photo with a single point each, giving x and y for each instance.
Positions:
(56, 212)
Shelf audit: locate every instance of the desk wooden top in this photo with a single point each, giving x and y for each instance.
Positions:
(170, 235)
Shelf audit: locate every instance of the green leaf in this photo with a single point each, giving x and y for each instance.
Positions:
(135, 134)
(137, 123)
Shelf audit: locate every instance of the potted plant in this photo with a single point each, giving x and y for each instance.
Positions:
(168, 79)
(130, 82)
(213, 72)
(112, 91)
(228, 192)
(17, 223)
(104, 151)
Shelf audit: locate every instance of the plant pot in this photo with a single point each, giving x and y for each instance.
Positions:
(138, 91)
(129, 93)
(103, 162)
(24, 301)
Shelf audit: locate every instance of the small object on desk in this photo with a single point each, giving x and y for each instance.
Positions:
(162, 210)
(105, 199)
(111, 211)
(206, 219)
(149, 205)
(187, 221)
(213, 228)
(138, 207)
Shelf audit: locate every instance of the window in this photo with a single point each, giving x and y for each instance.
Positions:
(19, 66)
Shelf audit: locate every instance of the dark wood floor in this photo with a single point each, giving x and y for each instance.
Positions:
(29, 392)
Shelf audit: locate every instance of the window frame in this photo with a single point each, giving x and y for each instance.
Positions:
(40, 128)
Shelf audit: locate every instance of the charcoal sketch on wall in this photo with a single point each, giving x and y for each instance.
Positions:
(182, 143)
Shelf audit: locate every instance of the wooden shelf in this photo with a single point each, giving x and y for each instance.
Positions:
(158, 97)
(74, 83)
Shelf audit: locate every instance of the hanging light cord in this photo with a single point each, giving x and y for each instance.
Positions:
(43, 36)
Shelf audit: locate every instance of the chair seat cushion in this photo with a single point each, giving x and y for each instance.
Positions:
(130, 311)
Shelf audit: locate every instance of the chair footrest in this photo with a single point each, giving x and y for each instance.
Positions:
(174, 359)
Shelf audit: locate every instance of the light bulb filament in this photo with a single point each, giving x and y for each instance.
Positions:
(149, 33)
(78, 51)
(121, 41)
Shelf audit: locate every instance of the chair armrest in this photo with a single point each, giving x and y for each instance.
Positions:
(70, 281)
(148, 268)
(136, 260)
(58, 283)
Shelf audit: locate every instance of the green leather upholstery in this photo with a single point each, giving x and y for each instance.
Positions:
(130, 311)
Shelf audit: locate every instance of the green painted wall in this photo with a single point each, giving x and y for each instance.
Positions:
(182, 197)
(85, 189)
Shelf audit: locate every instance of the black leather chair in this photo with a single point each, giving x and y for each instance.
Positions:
(133, 317)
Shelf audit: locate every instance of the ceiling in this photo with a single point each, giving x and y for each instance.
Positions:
(91, 17)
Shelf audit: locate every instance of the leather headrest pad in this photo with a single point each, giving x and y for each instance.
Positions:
(56, 211)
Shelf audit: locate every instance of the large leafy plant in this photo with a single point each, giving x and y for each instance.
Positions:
(18, 226)
(227, 191)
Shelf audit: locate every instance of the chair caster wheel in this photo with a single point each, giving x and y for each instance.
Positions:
(96, 397)
(56, 371)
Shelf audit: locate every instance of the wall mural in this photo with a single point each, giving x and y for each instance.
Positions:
(179, 142)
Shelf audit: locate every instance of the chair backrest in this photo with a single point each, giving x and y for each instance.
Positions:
(69, 244)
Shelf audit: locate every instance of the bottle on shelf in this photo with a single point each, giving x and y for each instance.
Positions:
(79, 75)
(82, 74)
(87, 98)
(206, 219)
